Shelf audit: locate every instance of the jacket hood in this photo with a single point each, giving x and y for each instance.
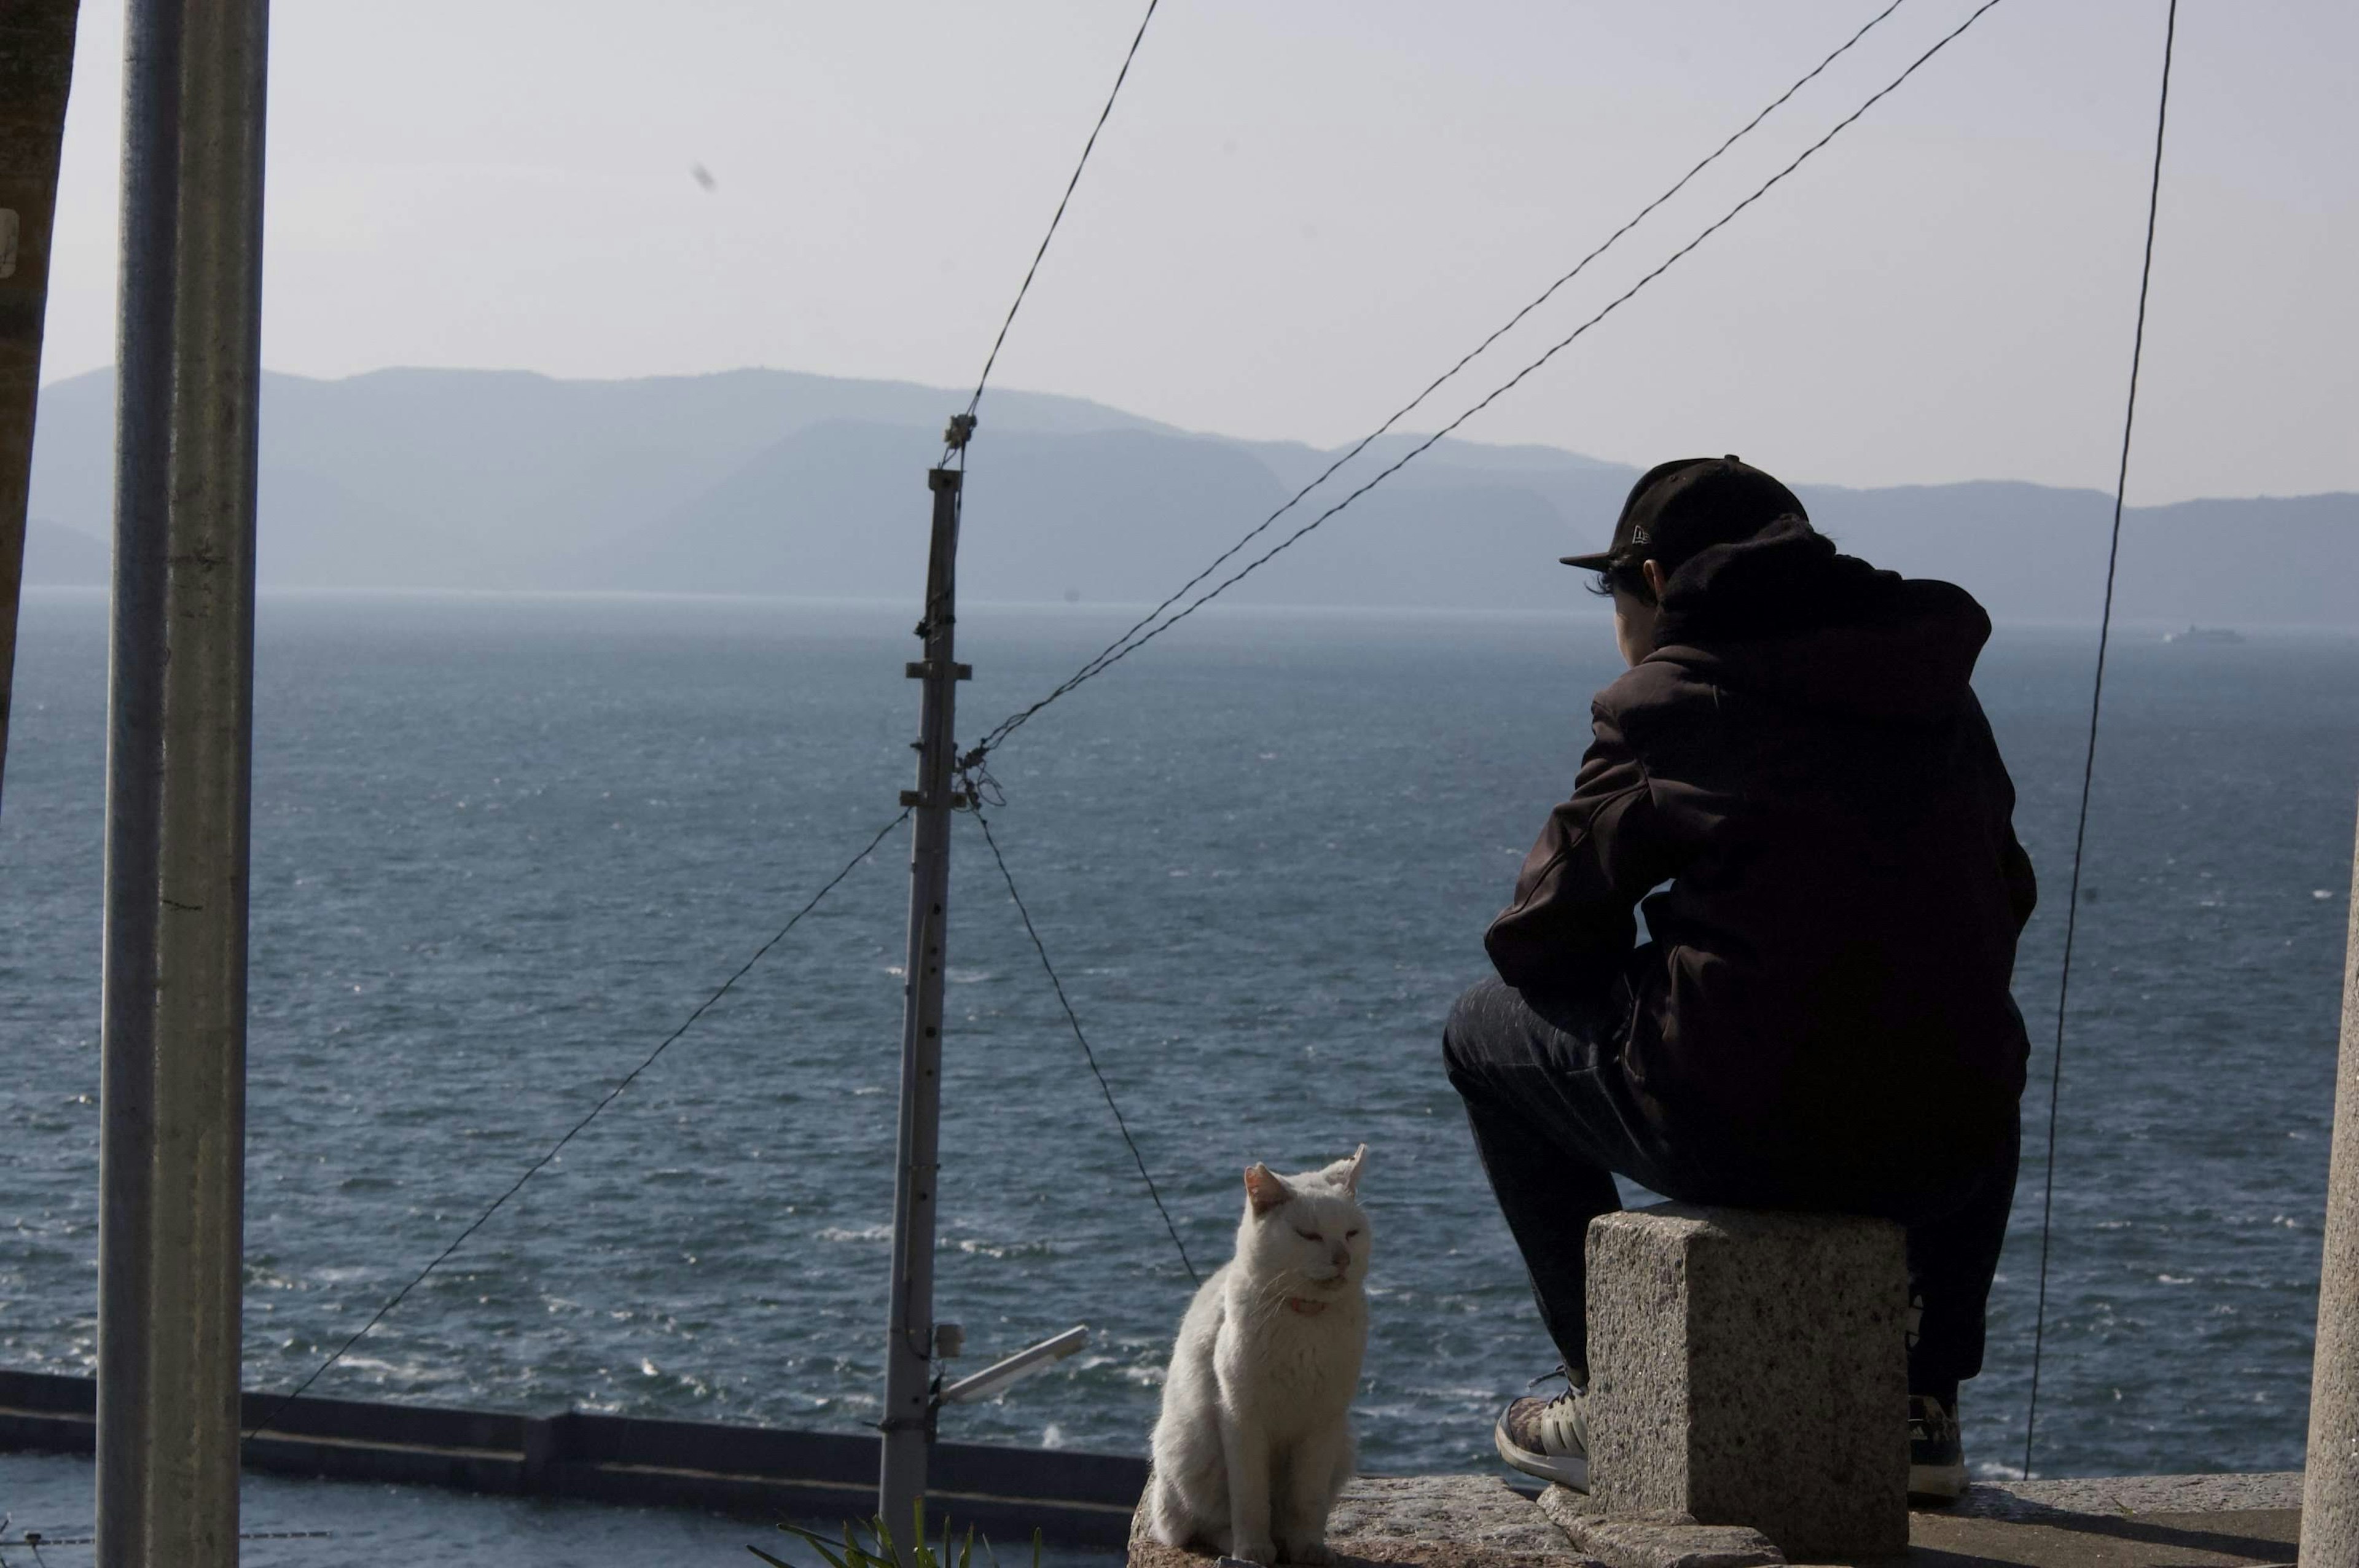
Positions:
(1784, 615)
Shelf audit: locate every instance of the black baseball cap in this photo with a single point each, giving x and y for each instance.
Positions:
(1689, 504)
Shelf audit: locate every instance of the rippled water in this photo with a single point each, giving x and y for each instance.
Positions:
(503, 845)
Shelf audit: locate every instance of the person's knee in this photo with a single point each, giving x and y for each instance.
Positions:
(1466, 1023)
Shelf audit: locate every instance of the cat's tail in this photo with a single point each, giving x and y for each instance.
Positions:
(1165, 1519)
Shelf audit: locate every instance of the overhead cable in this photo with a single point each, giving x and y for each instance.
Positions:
(1465, 360)
(1059, 216)
(2089, 758)
(1135, 640)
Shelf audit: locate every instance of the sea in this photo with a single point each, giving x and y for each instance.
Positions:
(503, 845)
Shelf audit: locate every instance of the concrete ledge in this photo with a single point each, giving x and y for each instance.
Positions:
(1428, 1522)
(1471, 1510)
(2128, 1521)
(1641, 1543)
(2135, 1521)
(2268, 1491)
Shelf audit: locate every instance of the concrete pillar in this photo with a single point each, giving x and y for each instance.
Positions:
(179, 749)
(2330, 1492)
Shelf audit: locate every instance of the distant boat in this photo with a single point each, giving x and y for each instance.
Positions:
(2203, 634)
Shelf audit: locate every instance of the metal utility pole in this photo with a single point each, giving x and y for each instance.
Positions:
(37, 46)
(2330, 1490)
(180, 747)
(909, 1424)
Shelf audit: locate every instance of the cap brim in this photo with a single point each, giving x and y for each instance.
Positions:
(1596, 563)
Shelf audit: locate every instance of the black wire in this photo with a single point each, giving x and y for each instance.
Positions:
(535, 1168)
(1025, 288)
(1108, 653)
(1107, 660)
(2089, 761)
(1087, 1054)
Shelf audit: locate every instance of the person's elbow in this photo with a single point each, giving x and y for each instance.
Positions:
(1551, 961)
(2022, 884)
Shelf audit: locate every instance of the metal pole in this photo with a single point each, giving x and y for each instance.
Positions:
(180, 734)
(2330, 1488)
(909, 1424)
(37, 48)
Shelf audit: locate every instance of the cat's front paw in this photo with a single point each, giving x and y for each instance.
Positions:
(1308, 1553)
(1260, 1552)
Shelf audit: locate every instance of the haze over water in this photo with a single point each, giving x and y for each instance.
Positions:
(504, 845)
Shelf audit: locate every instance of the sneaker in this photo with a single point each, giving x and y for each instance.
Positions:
(1548, 1438)
(1937, 1459)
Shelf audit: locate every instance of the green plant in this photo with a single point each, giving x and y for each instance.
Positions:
(877, 1551)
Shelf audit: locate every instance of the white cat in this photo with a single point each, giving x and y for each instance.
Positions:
(1255, 1442)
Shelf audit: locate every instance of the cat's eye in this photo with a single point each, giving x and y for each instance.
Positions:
(1350, 1234)
(1308, 1235)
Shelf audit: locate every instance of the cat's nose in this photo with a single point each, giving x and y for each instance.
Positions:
(1342, 1257)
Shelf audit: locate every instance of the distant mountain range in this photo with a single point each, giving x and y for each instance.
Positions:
(770, 481)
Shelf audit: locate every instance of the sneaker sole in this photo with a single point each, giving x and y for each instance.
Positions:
(1938, 1483)
(1565, 1470)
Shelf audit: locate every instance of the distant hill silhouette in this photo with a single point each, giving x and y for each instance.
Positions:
(771, 481)
(65, 558)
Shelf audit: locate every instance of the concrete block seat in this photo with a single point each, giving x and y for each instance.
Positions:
(1750, 1369)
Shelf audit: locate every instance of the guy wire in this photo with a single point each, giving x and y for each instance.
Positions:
(2089, 760)
(1087, 1054)
(1124, 649)
(535, 1168)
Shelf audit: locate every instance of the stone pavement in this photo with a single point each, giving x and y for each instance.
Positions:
(2136, 1521)
(2147, 1521)
(1433, 1522)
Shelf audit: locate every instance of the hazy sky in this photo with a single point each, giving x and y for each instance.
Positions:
(1303, 211)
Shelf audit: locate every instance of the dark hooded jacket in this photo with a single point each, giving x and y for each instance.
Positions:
(1803, 761)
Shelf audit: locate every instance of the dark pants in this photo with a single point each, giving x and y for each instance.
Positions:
(1554, 1118)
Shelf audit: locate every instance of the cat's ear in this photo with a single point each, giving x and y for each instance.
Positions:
(1345, 1174)
(1265, 1188)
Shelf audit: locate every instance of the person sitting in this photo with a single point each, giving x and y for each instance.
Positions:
(1795, 785)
